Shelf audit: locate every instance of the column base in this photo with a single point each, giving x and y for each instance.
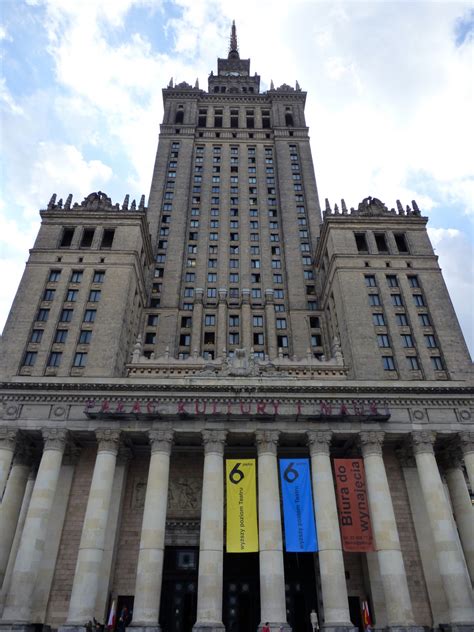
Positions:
(407, 628)
(276, 627)
(16, 627)
(72, 627)
(142, 627)
(456, 627)
(213, 626)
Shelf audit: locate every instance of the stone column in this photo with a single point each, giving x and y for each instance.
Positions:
(272, 347)
(387, 543)
(17, 537)
(211, 546)
(221, 342)
(246, 321)
(462, 506)
(467, 446)
(451, 565)
(19, 598)
(7, 448)
(146, 608)
(272, 575)
(197, 321)
(91, 546)
(331, 563)
(11, 504)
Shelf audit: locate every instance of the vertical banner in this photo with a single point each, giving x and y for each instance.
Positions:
(242, 528)
(353, 506)
(298, 513)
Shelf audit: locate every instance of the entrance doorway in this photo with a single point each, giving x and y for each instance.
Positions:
(300, 588)
(179, 592)
(356, 612)
(241, 602)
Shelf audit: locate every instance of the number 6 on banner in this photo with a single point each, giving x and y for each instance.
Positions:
(242, 530)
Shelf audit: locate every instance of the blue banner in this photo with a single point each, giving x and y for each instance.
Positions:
(298, 513)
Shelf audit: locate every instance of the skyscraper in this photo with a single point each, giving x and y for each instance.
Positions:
(231, 320)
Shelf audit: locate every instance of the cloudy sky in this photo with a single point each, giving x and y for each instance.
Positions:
(390, 102)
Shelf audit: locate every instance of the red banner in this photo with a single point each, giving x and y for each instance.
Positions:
(353, 506)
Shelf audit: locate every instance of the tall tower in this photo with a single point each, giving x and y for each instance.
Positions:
(234, 218)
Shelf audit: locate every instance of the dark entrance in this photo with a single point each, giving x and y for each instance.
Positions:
(179, 591)
(241, 604)
(355, 612)
(300, 588)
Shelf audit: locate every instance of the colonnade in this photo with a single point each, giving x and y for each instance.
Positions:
(24, 568)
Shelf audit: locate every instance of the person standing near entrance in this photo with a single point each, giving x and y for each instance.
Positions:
(266, 627)
(314, 620)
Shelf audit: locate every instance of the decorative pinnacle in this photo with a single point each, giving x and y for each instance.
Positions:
(233, 39)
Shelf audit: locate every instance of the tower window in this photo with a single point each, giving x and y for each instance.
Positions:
(202, 119)
(361, 242)
(381, 242)
(289, 119)
(401, 242)
(179, 118)
(30, 358)
(87, 237)
(388, 363)
(107, 238)
(66, 238)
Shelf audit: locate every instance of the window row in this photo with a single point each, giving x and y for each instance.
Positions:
(87, 237)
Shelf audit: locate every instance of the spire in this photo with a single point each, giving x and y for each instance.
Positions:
(233, 47)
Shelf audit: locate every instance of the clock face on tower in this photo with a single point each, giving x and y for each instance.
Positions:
(231, 73)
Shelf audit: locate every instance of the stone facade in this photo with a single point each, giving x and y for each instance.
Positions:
(229, 318)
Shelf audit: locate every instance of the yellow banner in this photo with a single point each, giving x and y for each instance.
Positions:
(242, 528)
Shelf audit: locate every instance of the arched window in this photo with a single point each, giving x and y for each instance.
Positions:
(179, 118)
(289, 119)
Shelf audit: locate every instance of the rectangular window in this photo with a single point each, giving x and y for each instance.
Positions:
(54, 275)
(152, 320)
(407, 341)
(278, 294)
(233, 338)
(30, 358)
(381, 242)
(361, 242)
(212, 263)
(60, 336)
(233, 263)
(314, 322)
(282, 342)
(186, 322)
(383, 340)
(397, 300)
(76, 276)
(424, 320)
(189, 277)
(316, 340)
(437, 363)
(413, 363)
(107, 238)
(388, 363)
(209, 320)
(257, 321)
(150, 338)
(66, 316)
(99, 276)
(66, 237)
(258, 338)
(48, 295)
(43, 315)
(209, 337)
(374, 300)
(276, 264)
(402, 320)
(255, 263)
(212, 277)
(71, 296)
(430, 341)
(184, 340)
(277, 278)
(188, 291)
(392, 280)
(413, 281)
(89, 315)
(94, 296)
(188, 306)
(36, 335)
(401, 242)
(370, 280)
(211, 292)
(378, 320)
(281, 323)
(418, 300)
(54, 359)
(80, 359)
(85, 337)
(233, 277)
(234, 320)
(87, 237)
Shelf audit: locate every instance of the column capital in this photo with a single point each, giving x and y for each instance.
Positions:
(422, 441)
(371, 442)
(466, 441)
(245, 296)
(198, 295)
(161, 441)
(222, 294)
(214, 441)
(55, 438)
(450, 459)
(269, 294)
(108, 440)
(319, 441)
(8, 437)
(267, 441)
